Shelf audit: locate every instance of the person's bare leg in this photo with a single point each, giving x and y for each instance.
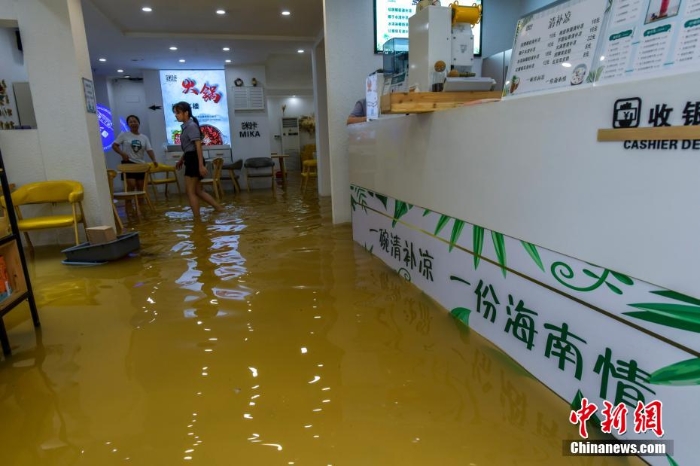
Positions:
(206, 197)
(191, 190)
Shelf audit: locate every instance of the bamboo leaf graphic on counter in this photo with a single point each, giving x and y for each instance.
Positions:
(478, 240)
(532, 251)
(426, 212)
(677, 296)
(383, 199)
(681, 316)
(361, 200)
(441, 223)
(671, 461)
(500, 244)
(400, 209)
(682, 373)
(562, 271)
(456, 232)
(461, 314)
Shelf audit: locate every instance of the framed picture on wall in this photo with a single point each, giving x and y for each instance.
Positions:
(90, 99)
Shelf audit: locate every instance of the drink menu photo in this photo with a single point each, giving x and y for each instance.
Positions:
(649, 36)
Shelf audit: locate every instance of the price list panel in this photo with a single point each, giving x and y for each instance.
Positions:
(555, 47)
(649, 36)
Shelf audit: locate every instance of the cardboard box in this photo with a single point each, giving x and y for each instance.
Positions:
(100, 235)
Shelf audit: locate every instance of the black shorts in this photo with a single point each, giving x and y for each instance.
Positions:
(192, 165)
(134, 176)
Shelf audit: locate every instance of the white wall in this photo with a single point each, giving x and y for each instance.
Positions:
(289, 72)
(321, 104)
(297, 106)
(12, 69)
(528, 6)
(349, 38)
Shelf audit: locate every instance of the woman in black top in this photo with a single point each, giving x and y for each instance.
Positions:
(193, 159)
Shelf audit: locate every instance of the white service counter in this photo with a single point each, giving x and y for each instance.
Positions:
(499, 211)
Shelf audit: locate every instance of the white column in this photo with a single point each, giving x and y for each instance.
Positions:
(57, 60)
(349, 59)
(318, 63)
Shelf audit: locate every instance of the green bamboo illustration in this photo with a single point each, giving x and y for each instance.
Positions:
(444, 219)
(532, 251)
(684, 314)
(461, 314)
(400, 209)
(682, 373)
(478, 244)
(500, 245)
(456, 232)
(671, 461)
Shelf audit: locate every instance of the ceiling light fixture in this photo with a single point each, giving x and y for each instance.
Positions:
(120, 71)
(226, 49)
(220, 12)
(103, 60)
(127, 76)
(173, 48)
(300, 51)
(147, 9)
(182, 61)
(286, 13)
(228, 61)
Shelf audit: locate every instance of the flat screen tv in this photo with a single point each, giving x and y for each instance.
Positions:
(391, 20)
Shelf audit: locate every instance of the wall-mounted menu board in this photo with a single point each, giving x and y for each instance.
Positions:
(555, 46)
(647, 36)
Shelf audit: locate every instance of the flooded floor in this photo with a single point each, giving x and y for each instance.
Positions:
(262, 336)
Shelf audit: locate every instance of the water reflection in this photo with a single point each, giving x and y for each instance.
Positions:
(260, 336)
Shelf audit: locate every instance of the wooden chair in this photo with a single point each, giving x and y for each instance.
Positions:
(233, 178)
(170, 177)
(259, 163)
(309, 168)
(215, 180)
(134, 196)
(49, 192)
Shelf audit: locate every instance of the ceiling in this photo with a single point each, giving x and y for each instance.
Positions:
(131, 39)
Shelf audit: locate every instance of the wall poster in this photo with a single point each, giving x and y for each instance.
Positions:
(205, 91)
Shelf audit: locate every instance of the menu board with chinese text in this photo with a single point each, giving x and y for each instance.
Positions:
(555, 46)
(649, 36)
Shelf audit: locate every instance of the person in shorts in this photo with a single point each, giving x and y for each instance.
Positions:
(193, 159)
(132, 146)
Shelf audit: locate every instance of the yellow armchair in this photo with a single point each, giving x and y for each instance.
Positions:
(49, 192)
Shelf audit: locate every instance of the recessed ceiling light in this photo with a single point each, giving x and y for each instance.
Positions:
(147, 9)
(226, 49)
(103, 60)
(228, 61)
(220, 12)
(182, 61)
(127, 76)
(300, 51)
(173, 48)
(286, 13)
(120, 71)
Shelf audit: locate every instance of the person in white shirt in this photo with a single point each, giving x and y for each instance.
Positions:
(132, 146)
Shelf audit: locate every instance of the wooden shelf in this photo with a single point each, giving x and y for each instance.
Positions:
(424, 102)
(649, 134)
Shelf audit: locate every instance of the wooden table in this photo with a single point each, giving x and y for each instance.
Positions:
(280, 158)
